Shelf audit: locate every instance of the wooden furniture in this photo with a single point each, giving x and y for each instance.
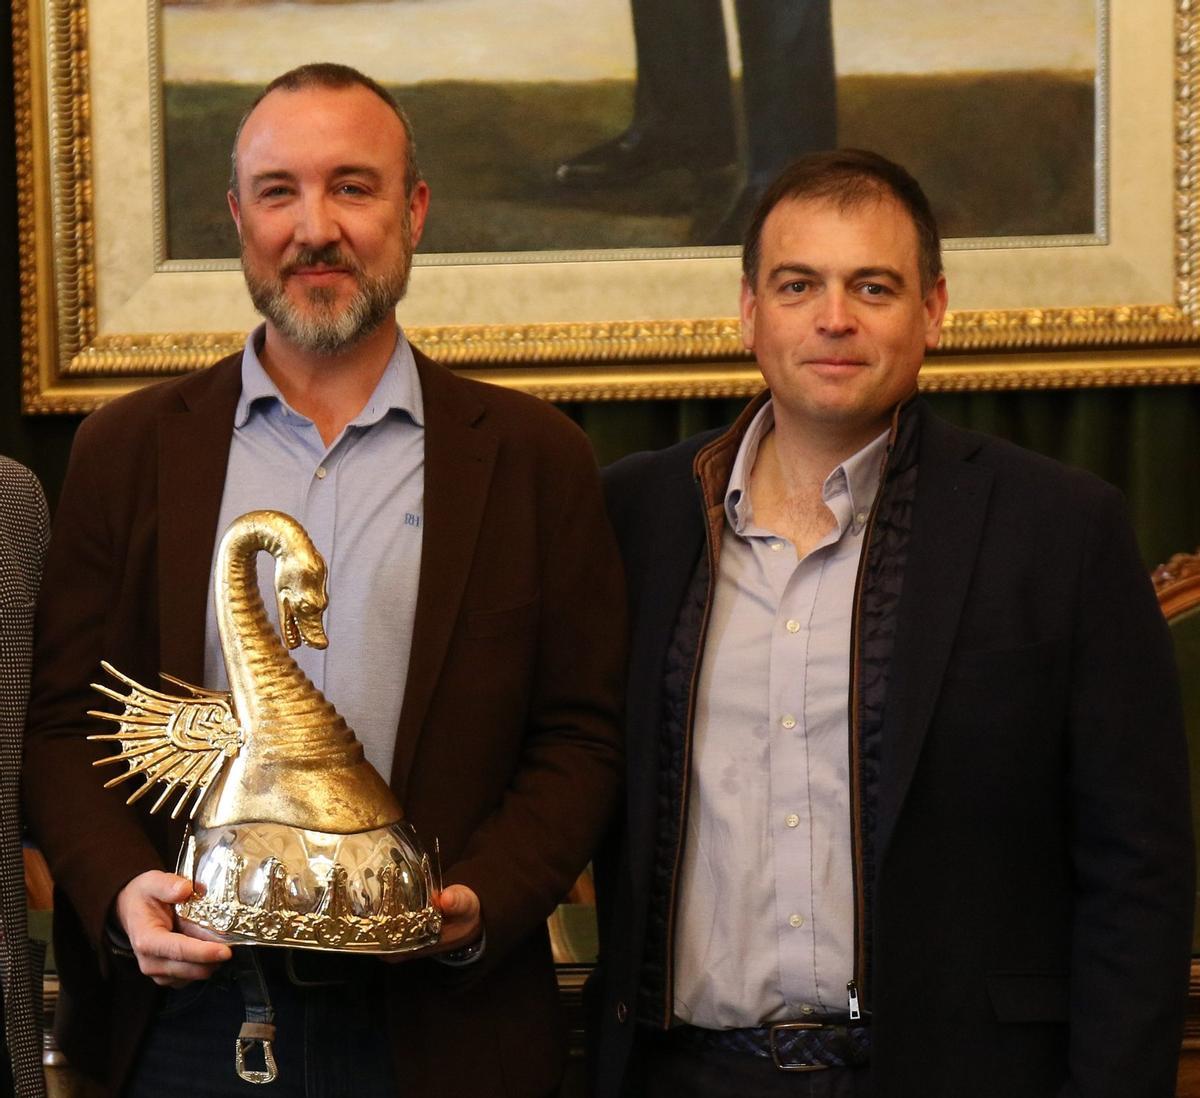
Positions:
(572, 929)
(39, 888)
(1177, 584)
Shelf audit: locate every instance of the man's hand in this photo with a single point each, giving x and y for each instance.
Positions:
(461, 919)
(170, 957)
(462, 923)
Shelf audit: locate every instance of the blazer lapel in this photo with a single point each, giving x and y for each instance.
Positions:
(663, 576)
(459, 459)
(951, 505)
(193, 451)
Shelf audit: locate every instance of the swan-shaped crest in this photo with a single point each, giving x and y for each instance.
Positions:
(294, 837)
(271, 748)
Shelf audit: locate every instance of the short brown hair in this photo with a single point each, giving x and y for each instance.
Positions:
(848, 178)
(328, 74)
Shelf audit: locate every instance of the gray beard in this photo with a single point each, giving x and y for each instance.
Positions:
(325, 330)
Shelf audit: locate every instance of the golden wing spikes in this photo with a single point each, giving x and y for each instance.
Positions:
(148, 696)
(201, 785)
(195, 691)
(181, 742)
(185, 768)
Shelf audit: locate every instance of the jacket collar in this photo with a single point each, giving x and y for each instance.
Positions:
(714, 462)
(713, 465)
(460, 454)
(193, 451)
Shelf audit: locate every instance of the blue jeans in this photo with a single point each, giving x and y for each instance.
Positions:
(331, 1038)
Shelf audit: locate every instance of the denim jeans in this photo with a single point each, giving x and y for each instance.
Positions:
(331, 1039)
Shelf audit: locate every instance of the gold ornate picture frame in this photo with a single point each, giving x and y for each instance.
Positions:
(101, 314)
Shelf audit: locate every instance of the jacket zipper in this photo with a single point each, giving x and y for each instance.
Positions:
(856, 988)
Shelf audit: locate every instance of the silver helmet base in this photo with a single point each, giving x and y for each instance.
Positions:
(271, 884)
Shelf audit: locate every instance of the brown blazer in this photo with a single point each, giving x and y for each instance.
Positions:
(507, 749)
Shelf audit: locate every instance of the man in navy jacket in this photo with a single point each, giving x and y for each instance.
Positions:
(907, 809)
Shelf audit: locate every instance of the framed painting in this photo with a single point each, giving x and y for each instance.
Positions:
(1063, 171)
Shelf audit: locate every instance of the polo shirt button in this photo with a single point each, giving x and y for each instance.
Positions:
(622, 1012)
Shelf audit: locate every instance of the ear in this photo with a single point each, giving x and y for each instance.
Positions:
(749, 306)
(935, 312)
(418, 207)
(235, 210)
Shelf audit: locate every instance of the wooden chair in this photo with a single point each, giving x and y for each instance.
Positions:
(1177, 584)
(39, 888)
(572, 926)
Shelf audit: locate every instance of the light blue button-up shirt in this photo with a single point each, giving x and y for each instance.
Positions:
(766, 904)
(361, 499)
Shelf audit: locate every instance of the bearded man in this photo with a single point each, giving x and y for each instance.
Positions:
(469, 560)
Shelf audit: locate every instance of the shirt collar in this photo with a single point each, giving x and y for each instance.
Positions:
(857, 476)
(737, 498)
(398, 388)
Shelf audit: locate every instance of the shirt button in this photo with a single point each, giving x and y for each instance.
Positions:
(796, 921)
(806, 1009)
(321, 470)
(789, 721)
(793, 820)
(793, 626)
(622, 1012)
(861, 517)
(777, 545)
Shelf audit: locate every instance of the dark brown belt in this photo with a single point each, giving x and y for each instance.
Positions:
(810, 1045)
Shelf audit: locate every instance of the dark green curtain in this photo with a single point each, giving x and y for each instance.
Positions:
(1145, 441)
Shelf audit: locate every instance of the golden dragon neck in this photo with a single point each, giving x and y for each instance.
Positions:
(298, 763)
(276, 703)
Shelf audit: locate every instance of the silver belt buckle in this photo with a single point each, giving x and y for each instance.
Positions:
(772, 1037)
(255, 1034)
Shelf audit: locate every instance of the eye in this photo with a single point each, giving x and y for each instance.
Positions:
(875, 289)
(795, 286)
(355, 190)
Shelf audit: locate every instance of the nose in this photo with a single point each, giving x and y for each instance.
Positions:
(316, 226)
(836, 314)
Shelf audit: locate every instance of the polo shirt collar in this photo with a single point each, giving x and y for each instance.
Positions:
(398, 388)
